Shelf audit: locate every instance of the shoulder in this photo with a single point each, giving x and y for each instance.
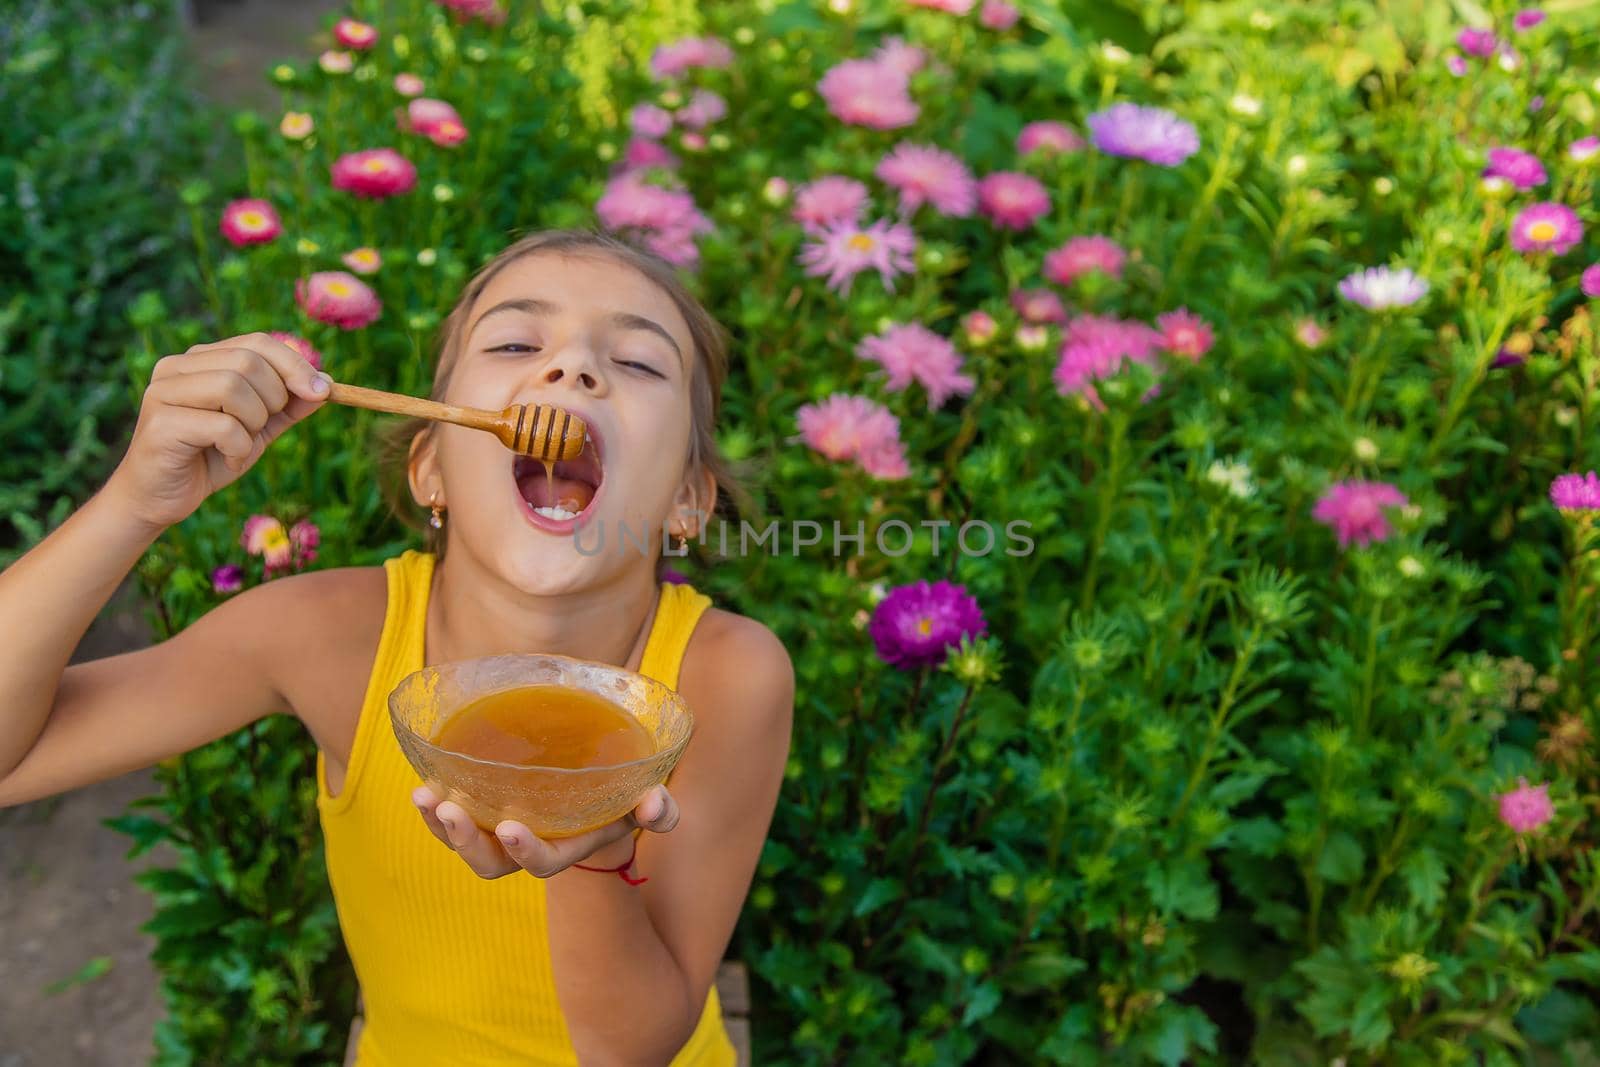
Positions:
(737, 662)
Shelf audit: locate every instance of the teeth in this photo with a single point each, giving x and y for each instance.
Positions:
(560, 514)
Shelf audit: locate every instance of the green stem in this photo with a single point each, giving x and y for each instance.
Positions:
(1202, 206)
(202, 262)
(1369, 672)
(1219, 719)
(1109, 486)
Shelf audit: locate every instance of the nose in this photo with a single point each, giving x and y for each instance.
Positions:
(576, 365)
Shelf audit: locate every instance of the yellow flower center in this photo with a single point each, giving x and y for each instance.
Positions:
(274, 539)
(1542, 231)
(375, 166)
(924, 626)
(861, 243)
(252, 219)
(338, 289)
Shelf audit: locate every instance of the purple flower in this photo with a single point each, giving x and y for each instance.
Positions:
(1354, 510)
(1590, 280)
(703, 108)
(1520, 168)
(843, 251)
(227, 579)
(1477, 42)
(1152, 134)
(1527, 18)
(1583, 149)
(1527, 807)
(1507, 358)
(917, 625)
(648, 120)
(1546, 227)
(675, 577)
(1576, 492)
(671, 60)
(1381, 288)
(1457, 66)
(1095, 347)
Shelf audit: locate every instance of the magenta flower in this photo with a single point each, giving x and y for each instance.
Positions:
(912, 352)
(1183, 333)
(1354, 510)
(647, 120)
(1527, 18)
(363, 260)
(1520, 168)
(927, 175)
(1048, 137)
(1382, 288)
(830, 201)
(953, 7)
(666, 220)
(843, 251)
(703, 108)
(352, 34)
(1456, 65)
(1095, 347)
(1583, 149)
(896, 54)
(1546, 227)
(1309, 333)
(643, 153)
(465, 10)
(1080, 255)
(917, 625)
(265, 536)
(1152, 134)
(1507, 358)
(1477, 42)
(408, 85)
(845, 427)
(304, 537)
(1527, 807)
(673, 576)
(870, 93)
(374, 173)
(1012, 201)
(979, 328)
(226, 579)
(1589, 281)
(339, 299)
(250, 222)
(307, 351)
(1038, 306)
(671, 60)
(435, 120)
(1576, 492)
(998, 15)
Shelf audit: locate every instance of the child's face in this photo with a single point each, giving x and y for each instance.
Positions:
(595, 337)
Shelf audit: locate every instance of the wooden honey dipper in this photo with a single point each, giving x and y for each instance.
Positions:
(542, 431)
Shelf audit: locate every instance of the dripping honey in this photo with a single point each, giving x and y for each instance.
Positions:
(545, 726)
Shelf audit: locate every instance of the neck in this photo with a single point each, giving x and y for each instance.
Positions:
(472, 612)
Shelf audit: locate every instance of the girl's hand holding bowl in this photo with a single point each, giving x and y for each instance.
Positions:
(514, 847)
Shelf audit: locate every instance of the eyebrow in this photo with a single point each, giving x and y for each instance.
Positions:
(623, 319)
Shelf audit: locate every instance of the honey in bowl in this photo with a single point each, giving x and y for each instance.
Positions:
(545, 726)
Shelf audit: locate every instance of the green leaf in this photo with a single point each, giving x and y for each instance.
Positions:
(1558, 1016)
(931, 956)
(985, 999)
(145, 831)
(1425, 877)
(1044, 969)
(1341, 860)
(878, 893)
(98, 967)
(1182, 888)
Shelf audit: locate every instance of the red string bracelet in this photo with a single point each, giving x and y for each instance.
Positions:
(620, 871)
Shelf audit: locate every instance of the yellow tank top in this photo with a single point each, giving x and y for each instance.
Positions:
(455, 970)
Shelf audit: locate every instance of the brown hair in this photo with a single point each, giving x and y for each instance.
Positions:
(710, 346)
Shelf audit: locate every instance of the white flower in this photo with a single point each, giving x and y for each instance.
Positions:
(1113, 54)
(1411, 566)
(1232, 475)
(1383, 186)
(1260, 20)
(1297, 165)
(840, 7)
(876, 592)
(1509, 61)
(1366, 449)
(1244, 104)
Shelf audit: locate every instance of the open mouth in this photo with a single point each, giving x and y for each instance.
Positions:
(563, 492)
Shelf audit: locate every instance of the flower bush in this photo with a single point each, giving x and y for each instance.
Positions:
(1265, 732)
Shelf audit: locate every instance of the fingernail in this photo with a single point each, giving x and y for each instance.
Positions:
(449, 824)
(509, 840)
(319, 384)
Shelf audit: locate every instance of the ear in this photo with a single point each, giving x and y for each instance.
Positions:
(422, 469)
(691, 508)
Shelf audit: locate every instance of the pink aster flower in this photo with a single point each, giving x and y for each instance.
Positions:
(408, 85)
(435, 120)
(979, 328)
(671, 60)
(703, 108)
(307, 351)
(1477, 42)
(1080, 255)
(1095, 347)
(250, 222)
(643, 153)
(1152, 134)
(1183, 333)
(358, 35)
(1546, 227)
(374, 173)
(339, 299)
(1012, 201)
(870, 93)
(667, 220)
(1527, 807)
(1457, 65)
(265, 536)
(998, 15)
(647, 120)
(464, 10)
(335, 61)
(1038, 306)
(953, 7)
(304, 537)
(226, 579)
(841, 252)
(830, 201)
(692, 141)
(1309, 333)
(1589, 281)
(1576, 492)
(845, 427)
(1354, 510)
(1527, 18)
(363, 260)
(1520, 168)
(927, 175)
(1048, 137)
(297, 125)
(912, 352)
(1583, 149)
(897, 54)
(917, 625)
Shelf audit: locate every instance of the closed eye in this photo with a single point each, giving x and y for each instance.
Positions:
(640, 366)
(515, 346)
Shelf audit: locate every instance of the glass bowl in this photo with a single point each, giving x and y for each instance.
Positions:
(553, 802)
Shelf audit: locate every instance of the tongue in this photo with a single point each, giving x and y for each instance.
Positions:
(568, 493)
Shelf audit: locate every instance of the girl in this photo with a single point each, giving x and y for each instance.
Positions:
(472, 948)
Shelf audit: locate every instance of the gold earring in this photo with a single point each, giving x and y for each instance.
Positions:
(437, 520)
(683, 544)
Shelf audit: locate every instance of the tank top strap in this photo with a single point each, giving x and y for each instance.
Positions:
(677, 614)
